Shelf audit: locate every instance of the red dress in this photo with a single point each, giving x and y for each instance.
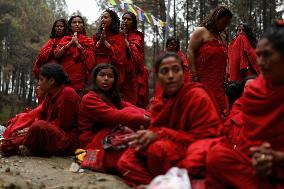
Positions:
(263, 121)
(55, 132)
(97, 118)
(242, 56)
(115, 55)
(210, 63)
(45, 55)
(78, 65)
(180, 122)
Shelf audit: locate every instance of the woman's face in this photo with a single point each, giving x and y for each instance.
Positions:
(222, 23)
(77, 25)
(172, 46)
(127, 22)
(241, 30)
(105, 79)
(105, 20)
(44, 84)
(170, 76)
(59, 29)
(270, 61)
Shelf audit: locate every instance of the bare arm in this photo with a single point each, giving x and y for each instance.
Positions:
(194, 44)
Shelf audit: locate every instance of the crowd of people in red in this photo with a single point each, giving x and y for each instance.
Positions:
(217, 112)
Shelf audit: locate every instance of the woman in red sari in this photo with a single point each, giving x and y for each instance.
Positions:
(257, 162)
(241, 54)
(135, 87)
(207, 54)
(110, 45)
(54, 132)
(102, 111)
(76, 53)
(184, 116)
(46, 54)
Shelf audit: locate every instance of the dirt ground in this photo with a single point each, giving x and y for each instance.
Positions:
(51, 173)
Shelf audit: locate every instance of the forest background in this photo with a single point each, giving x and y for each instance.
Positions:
(25, 26)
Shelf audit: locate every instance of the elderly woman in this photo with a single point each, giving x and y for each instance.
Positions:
(46, 54)
(75, 52)
(258, 161)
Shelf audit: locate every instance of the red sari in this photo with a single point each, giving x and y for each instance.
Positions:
(55, 133)
(134, 67)
(180, 123)
(78, 65)
(210, 64)
(158, 90)
(45, 55)
(242, 57)
(115, 55)
(97, 118)
(263, 121)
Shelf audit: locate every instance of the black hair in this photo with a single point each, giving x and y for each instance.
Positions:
(114, 26)
(55, 71)
(275, 35)
(233, 90)
(53, 33)
(249, 33)
(173, 39)
(112, 95)
(134, 20)
(165, 55)
(217, 13)
(84, 31)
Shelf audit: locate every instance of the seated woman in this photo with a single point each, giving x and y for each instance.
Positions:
(102, 111)
(55, 131)
(46, 54)
(241, 54)
(76, 53)
(258, 160)
(186, 114)
(110, 45)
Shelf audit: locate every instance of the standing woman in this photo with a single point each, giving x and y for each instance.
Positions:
(46, 54)
(135, 87)
(242, 56)
(207, 54)
(109, 43)
(76, 53)
(101, 111)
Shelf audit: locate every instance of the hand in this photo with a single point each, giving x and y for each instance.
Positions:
(103, 35)
(263, 159)
(74, 40)
(141, 139)
(126, 42)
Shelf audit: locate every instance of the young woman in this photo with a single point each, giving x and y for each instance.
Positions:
(110, 45)
(135, 87)
(46, 54)
(179, 121)
(242, 56)
(102, 111)
(259, 156)
(207, 54)
(76, 55)
(55, 131)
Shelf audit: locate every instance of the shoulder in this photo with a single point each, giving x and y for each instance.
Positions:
(196, 91)
(69, 93)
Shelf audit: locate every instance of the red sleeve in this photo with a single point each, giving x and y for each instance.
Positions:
(88, 56)
(44, 56)
(136, 49)
(118, 50)
(203, 118)
(95, 108)
(185, 66)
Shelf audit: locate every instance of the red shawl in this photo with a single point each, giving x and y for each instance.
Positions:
(242, 56)
(263, 115)
(186, 117)
(115, 55)
(211, 63)
(45, 55)
(78, 65)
